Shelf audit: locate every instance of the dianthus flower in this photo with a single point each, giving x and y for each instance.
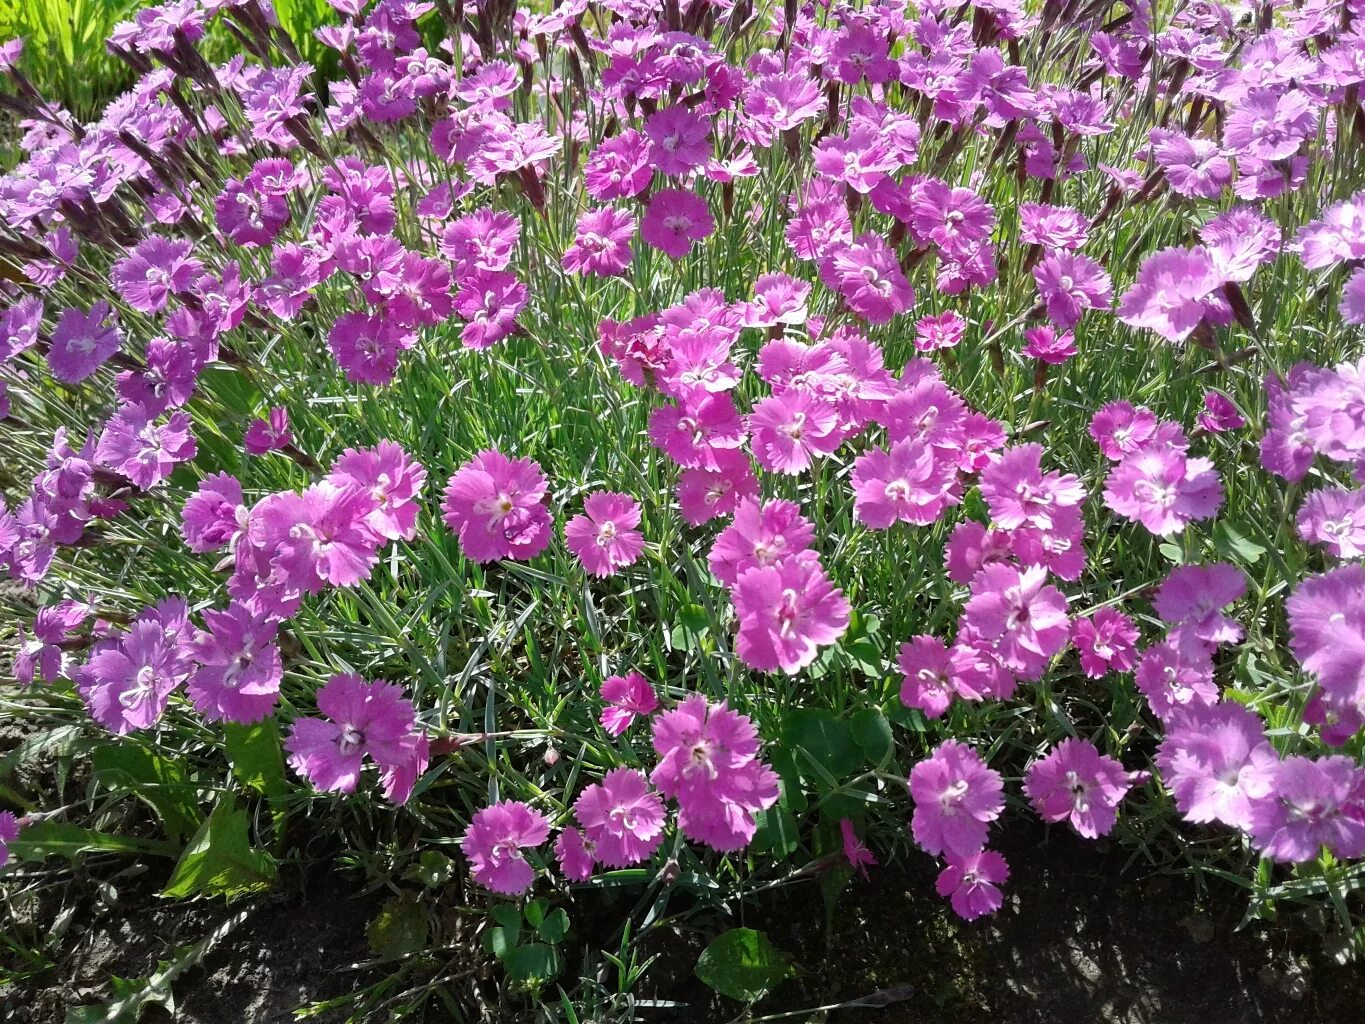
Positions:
(792, 429)
(366, 347)
(971, 883)
(1220, 414)
(1105, 641)
(956, 798)
(912, 483)
(1174, 678)
(1069, 284)
(1053, 227)
(706, 494)
(942, 331)
(1076, 782)
(482, 240)
(865, 272)
(269, 434)
(605, 539)
(708, 762)
(1327, 631)
(626, 697)
(926, 675)
(787, 612)
(1335, 518)
(239, 666)
(44, 657)
(1120, 429)
(319, 537)
(394, 482)
(1163, 489)
(214, 514)
(574, 852)
(1049, 346)
(1175, 290)
(371, 719)
(1191, 598)
(760, 535)
(619, 167)
(1020, 614)
(622, 818)
(674, 220)
(857, 854)
(489, 302)
(496, 506)
(1217, 763)
(82, 342)
(1311, 804)
(157, 269)
(494, 843)
(778, 299)
(134, 445)
(601, 246)
(698, 430)
(1018, 492)
(679, 139)
(127, 682)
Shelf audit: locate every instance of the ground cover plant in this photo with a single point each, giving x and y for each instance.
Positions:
(596, 465)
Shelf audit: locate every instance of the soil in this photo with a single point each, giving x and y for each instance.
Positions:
(1078, 941)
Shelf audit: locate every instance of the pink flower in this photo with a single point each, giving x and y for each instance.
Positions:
(605, 538)
(128, 682)
(1190, 600)
(214, 514)
(912, 483)
(622, 819)
(575, 855)
(1220, 414)
(787, 612)
(495, 505)
(1120, 429)
(956, 798)
(926, 675)
(494, 843)
(706, 494)
(1076, 782)
(362, 718)
(1175, 290)
(942, 331)
(760, 535)
(238, 678)
(366, 347)
(157, 269)
(82, 342)
(708, 762)
(674, 220)
(393, 481)
(680, 139)
(9, 824)
(1173, 678)
(867, 275)
(619, 167)
(1217, 763)
(699, 430)
(1105, 641)
(970, 882)
(602, 244)
(1327, 631)
(489, 302)
(1020, 614)
(319, 537)
(1312, 804)
(483, 240)
(1335, 518)
(1019, 493)
(270, 434)
(141, 450)
(778, 299)
(1049, 346)
(1163, 490)
(790, 430)
(857, 854)
(626, 698)
(1069, 284)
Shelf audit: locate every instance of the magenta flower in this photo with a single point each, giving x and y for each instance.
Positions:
(1069, 284)
(128, 682)
(484, 240)
(622, 818)
(926, 675)
(708, 762)
(214, 514)
(601, 246)
(1217, 763)
(1019, 493)
(1020, 614)
(1053, 227)
(157, 269)
(706, 494)
(1191, 598)
(619, 167)
(674, 220)
(1220, 414)
(787, 612)
(1106, 642)
(1335, 518)
(626, 697)
(1174, 678)
(699, 430)
(1120, 429)
(867, 275)
(44, 656)
(1327, 631)
(269, 434)
(371, 719)
(82, 342)
(574, 852)
(393, 481)
(1076, 783)
(489, 302)
(912, 483)
(134, 445)
(778, 299)
(971, 883)
(1048, 345)
(366, 347)
(319, 537)
(936, 332)
(792, 429)
(9, 832)
(239, 667)
(496, 506)
(857, 854)
(1163, 490)
(605, 539)
(680, 139)
(494, 843)
(1175, 290)
(956, 798)
(760, 535)
(1311, 804)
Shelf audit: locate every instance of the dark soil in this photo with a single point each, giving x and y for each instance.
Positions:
(1077, 942)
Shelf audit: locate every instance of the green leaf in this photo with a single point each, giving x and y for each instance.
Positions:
(1234, 546)
(743, 965)
(55, 839)
(1172, 553)
(432, 869)
(861, 647)
(159, 782)
(400, 928)
(554, 927)
(872, 732)
(256, 757)
(687, 632)
(828, 740)
(535, 962)
(535, 911)
(219, 860)
(776, 833)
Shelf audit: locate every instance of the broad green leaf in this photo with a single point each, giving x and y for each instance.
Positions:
(256, 757)
(159, 782)
(1234, 546)
(776, 833)
(743, 965)
(872, 732)
(219, 860)
(55, 839)
(433, 869)
(400, 928)
(828, 740)
(691, 625)
(554, 927)
(535, 962)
